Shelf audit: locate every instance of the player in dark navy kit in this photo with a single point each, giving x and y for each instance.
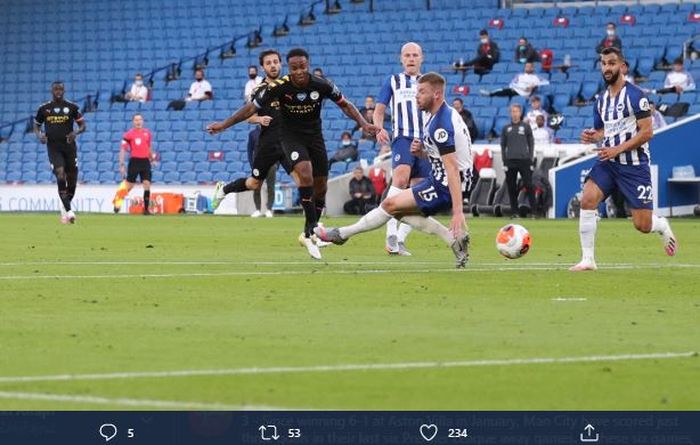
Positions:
(447, 145)
(59, 118)
(268, 152)
(623, 127)
(300, 95)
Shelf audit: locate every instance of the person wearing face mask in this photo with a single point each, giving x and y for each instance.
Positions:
(138, 91)
(525, 53)
(200, 89)
(487, 54)
(610, 40)
(253, 81)
(347, 152)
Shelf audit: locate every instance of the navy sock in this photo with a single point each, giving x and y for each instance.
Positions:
(306, 195)
(236, 186)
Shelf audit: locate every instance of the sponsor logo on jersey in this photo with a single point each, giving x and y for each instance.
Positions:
(301, 96)
(138, 141)
(314, 95)
(65, 110)
(57, 110)
(441, 135)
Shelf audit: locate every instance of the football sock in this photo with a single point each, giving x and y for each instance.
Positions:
(257, 199)
(587, 224)
(402, 233)
(658, 225)
(372, 220)
(320, 205)
(71, 183)
(392, 225)
(63, 192)
(236, 186)
(307, 203)
(270, 192)
(429, 225)
(146, 198)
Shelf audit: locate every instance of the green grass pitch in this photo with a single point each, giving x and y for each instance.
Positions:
(203, 312)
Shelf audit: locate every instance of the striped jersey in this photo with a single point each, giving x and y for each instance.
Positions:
(618, 117)
(399, 94)
(445, 132)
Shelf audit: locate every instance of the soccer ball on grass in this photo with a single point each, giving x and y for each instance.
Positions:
(513, 241)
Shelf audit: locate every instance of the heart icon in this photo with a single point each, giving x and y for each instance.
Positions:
(428, 431)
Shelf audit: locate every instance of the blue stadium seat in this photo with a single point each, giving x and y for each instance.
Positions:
(204, 177)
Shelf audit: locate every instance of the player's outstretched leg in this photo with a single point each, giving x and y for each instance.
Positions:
(372, 220)
(237, 186)
(460, 247)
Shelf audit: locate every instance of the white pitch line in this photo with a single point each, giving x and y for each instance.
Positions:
(344, 368)
(330, 272)
(165, 404)
(569, 299)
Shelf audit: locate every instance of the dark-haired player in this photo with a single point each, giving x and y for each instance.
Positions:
(300, 96)
(58, 117)
(623, 127)
(269, 150)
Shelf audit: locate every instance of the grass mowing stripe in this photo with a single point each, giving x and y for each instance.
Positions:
(349, 367)
(97, 400)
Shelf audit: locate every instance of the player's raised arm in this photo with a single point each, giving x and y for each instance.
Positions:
(240, 115)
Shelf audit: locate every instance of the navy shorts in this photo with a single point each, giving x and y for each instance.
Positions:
(401, 155)
(633, 181)
(431, 196)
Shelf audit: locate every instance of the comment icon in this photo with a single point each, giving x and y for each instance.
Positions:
(108, 431)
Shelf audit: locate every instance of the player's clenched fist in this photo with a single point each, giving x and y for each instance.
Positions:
(216, 127)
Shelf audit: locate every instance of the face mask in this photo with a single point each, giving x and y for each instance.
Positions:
(138, 83)
(611, 32)
(484, 41)
(347, 142)
(252, 75)
(522, 47)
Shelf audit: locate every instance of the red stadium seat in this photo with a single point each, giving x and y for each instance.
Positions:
(496, 23)
(561, 21)
(628, 19)
(694, 17)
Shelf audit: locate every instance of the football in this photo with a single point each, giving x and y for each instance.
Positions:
(513, 241)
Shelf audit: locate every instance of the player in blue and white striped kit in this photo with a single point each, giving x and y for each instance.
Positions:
(623, 127)
(399, 93)
(447, 146)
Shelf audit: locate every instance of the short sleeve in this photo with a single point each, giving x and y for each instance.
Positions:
(263, 95)
(443, 134)
(385, 93)
(597, 119)
(76, 114)
(39, 118)
(332, 91)
(640, 104)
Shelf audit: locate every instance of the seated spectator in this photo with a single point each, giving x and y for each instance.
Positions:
(626, 72)
(678, 80)
(522, 84)
(367, 111)
(200, 89)
(657, 119)
(487, 54)
(611, 39)
(347, 152)
(540, 133)
(525, 53)
(362, 194)
(138, 91)
(253, 81)
(535, 110)
(458, 104)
